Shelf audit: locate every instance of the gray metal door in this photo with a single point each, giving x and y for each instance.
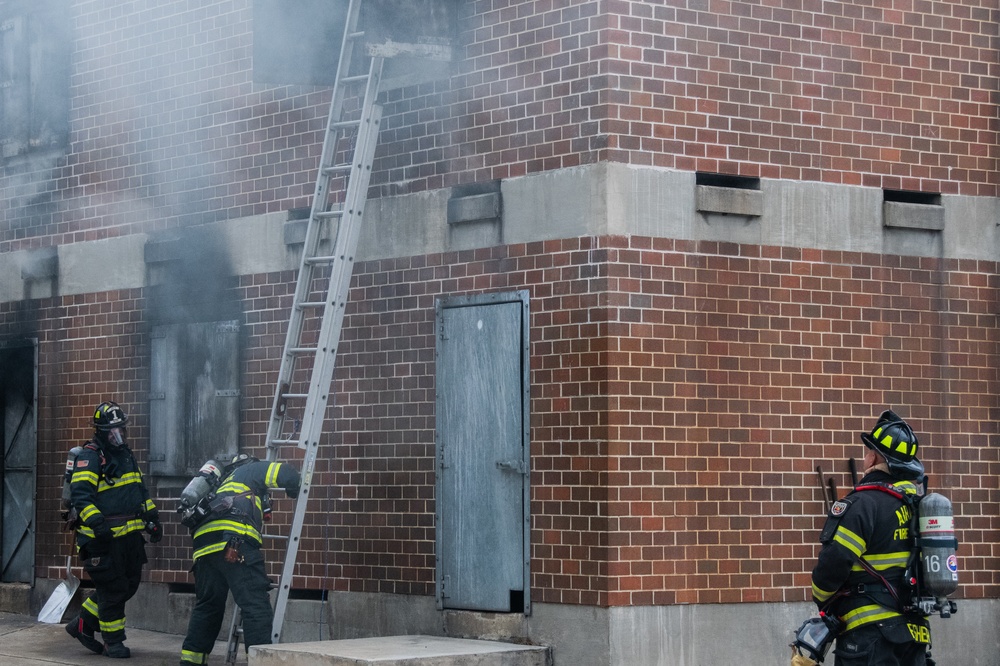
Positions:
(17, 462)
(482, 453)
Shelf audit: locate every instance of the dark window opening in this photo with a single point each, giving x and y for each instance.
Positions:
(724, 180)
(906, 196)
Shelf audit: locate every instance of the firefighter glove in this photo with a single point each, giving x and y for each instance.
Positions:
(155, 531)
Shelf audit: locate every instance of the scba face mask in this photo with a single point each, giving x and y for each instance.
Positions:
(117, 437)
(815, 636)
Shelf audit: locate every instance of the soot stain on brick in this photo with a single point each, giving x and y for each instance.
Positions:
(197, 282)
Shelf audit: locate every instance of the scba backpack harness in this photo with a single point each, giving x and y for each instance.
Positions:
(69, 514)
(198, 502)
(931, 573)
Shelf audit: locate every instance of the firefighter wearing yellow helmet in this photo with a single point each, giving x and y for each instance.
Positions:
(861, 574)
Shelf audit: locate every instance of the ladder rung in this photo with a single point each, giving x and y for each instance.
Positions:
(337, 168)
(321, 260)
(345, 123)
(328, 214)
(300, 350)
(355, 78)
(355, 35)
(311, 304)
(284, 441)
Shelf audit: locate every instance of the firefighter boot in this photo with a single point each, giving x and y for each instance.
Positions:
(77, 630)
(117, 651)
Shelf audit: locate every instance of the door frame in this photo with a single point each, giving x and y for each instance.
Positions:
(441, 304)
(30, 347)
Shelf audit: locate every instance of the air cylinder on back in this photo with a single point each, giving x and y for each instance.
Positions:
(203, 483)
(68, 474)
(938, 544)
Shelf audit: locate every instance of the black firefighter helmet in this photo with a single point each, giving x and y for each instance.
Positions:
(894, 440)
(109, 415)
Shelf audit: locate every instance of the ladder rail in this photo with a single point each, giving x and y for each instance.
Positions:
(333, 133)
(357, 172)
(319, 396)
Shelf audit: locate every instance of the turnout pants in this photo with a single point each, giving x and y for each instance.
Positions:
(872, 645)
(116, 575)
(214, 579)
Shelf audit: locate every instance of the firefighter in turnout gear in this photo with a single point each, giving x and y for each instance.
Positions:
(227, 556)
(866, 545)
(113, 509)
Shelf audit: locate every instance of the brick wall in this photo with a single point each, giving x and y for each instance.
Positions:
(167, 127)
(682, 395)
(896, 97)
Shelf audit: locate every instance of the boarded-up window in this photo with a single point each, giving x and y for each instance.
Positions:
(35, 45)
(194, 396)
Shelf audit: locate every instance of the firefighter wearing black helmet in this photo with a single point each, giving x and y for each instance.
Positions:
(114, 508)
(866, 544)
(227, 556)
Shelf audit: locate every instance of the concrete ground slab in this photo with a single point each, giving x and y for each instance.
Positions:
(26, 642)
(400, 651)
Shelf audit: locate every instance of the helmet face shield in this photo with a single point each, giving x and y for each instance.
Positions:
(117, 437)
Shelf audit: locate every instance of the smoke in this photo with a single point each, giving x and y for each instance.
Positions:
(297, 41)
(192, 279)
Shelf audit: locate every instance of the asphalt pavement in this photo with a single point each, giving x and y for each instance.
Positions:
(26, 642)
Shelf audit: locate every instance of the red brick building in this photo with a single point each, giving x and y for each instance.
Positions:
(739, 232)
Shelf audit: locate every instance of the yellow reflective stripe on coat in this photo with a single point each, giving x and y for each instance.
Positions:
(126, 479)
(89, 512)
(271, 478)
(865, 615)
(84, 475)
(884, 561)
(208, 550)
(850, 540)
(233, 487)
(227, 525)
(133, 525)
(821, 595)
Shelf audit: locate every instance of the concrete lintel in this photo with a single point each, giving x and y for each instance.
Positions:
(40, 264)
(294, 232)
(391, 49)
(160, 251)
(730, 200)
(474, 208)
(902, 215)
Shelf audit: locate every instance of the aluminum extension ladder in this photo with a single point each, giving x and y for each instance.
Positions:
(308, 357)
